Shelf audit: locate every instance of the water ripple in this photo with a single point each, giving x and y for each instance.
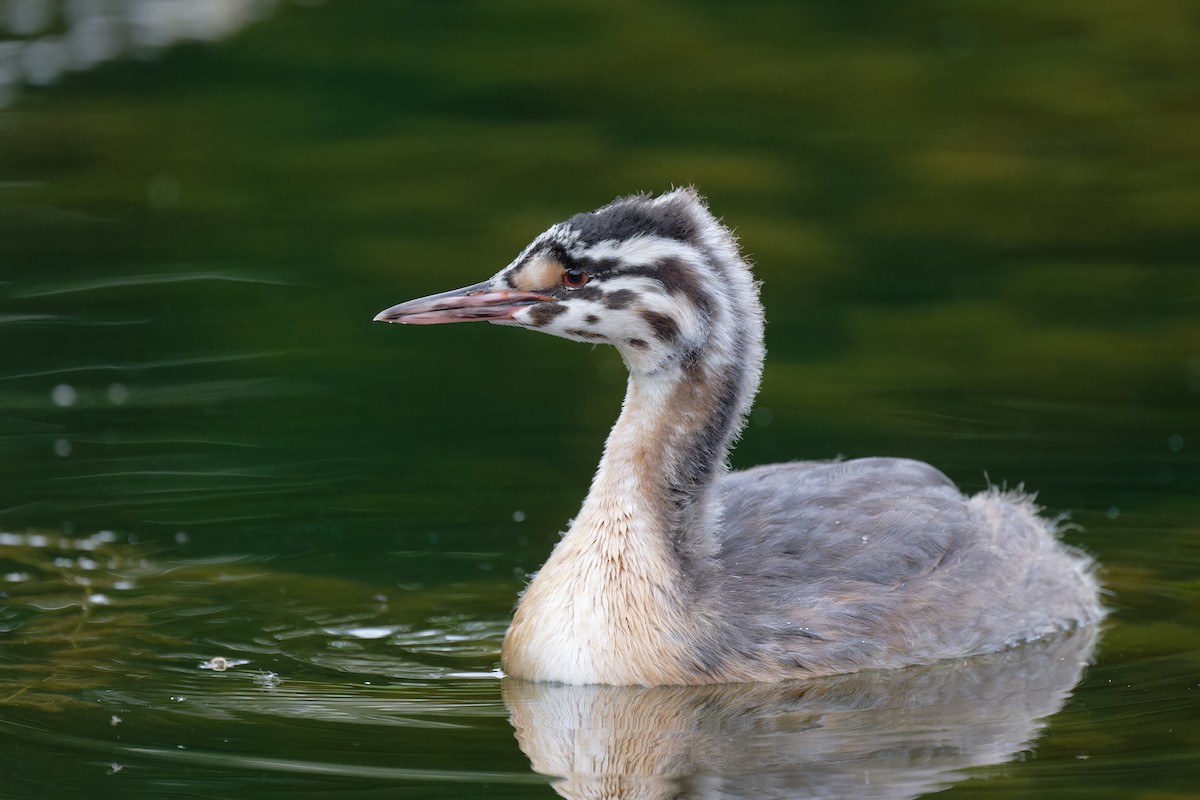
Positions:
(148, 280)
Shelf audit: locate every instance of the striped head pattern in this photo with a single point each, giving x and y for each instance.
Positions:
(659, 278)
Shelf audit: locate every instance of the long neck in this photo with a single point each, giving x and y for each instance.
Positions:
(625, 596)
(661, 461)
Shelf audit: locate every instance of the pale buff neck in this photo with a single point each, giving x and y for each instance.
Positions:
(655, 479)
(615, 598)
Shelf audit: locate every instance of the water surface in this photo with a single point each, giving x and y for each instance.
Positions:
(976, 232)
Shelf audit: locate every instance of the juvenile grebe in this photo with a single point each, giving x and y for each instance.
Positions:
(677, 571)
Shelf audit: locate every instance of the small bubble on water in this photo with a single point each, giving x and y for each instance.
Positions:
(762, 417)
(1113, 512)
(64, 395)
(118, 395)
(518, 516)
(1175, 442)
(181, 537)
(62, 447)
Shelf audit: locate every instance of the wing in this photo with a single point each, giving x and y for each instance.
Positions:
(882, 521)
(839, 565)
(882, 562)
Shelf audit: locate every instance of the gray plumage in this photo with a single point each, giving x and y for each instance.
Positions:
(881, 562)
(677, 571)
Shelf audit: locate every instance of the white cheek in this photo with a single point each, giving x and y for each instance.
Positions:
(619, 324)
(641, 360)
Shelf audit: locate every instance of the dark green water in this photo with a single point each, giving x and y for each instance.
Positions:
(977, 229)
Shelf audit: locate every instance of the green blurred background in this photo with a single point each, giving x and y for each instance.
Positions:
(975, 223)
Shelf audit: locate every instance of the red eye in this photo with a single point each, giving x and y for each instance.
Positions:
(575, 278)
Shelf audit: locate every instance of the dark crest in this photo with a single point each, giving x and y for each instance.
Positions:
(636, 215)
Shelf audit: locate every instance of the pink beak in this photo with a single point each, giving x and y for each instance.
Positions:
(469, 304)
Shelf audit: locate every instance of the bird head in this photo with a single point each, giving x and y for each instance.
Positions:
(659, 278)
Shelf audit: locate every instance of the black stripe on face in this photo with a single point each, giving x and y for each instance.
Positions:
(640, 344)
(619, 299)
(678, 279)
(665, 328)
(541, 314)
(591, 319)
(594, 293)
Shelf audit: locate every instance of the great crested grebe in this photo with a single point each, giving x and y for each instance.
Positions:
(678, 571)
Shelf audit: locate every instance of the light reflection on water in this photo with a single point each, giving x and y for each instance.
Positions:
(43, 40)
